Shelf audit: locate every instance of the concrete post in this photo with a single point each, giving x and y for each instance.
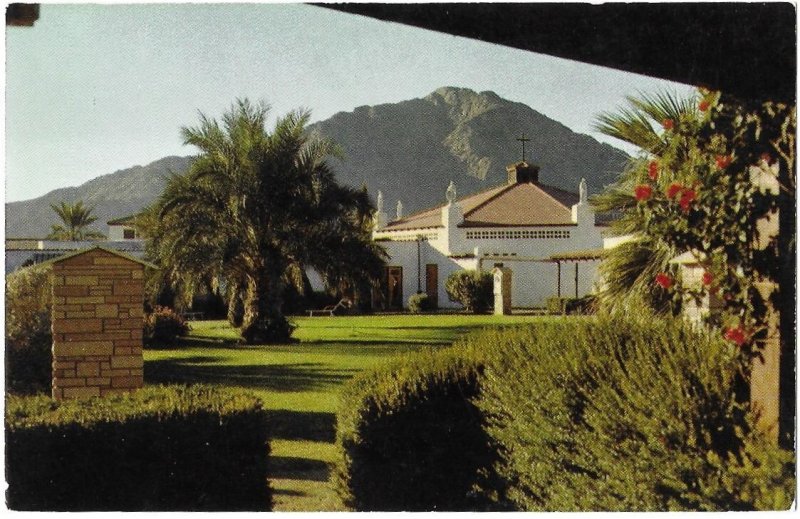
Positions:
(502, 290)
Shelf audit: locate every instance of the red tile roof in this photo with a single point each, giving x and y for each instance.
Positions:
(521, 204)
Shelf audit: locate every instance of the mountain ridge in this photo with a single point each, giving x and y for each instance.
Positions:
(409, 150)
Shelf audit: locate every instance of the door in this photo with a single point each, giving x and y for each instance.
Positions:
(432, 283)
(394, 287)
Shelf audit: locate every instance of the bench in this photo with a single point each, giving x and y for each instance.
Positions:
(329, 310)
(192, 316)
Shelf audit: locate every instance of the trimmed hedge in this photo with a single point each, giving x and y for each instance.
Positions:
(471, 288)
(571, 305)
(160, 448)
(634, 414)
(28, 356)
(410, 439)
(420, 302)
(162, 326)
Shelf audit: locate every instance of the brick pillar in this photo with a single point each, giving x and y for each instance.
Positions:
(97, 324)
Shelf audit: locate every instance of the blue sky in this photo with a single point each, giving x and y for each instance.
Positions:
(91, 89)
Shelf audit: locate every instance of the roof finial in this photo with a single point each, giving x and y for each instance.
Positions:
(379, 204)
(582, 191)
(451, 193)
(399, 210)
(523, 140)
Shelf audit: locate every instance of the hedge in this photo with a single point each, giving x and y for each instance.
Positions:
(159, 448)
(473, 289)
(410, 439)
(630, 414)
(28, 356)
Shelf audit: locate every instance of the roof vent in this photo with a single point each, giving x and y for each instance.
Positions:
(522, 172)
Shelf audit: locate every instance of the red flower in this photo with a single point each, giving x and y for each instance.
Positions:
(737, 335)
(687, 197)
(643, 192)
(668, 124)
(708, 278)
(663, 280)
(673, 190)
(653, 170)
(703, 106)
(766, 157)
(723, 161)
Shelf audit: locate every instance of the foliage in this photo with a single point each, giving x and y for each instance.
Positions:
(160, 448)
(163, 325)
(713, 172)
(420, 302)
(410, 439)
(75, 218)
(471, 288)
(571, 305)
(28, 336)
(255, 207)
(633, 413)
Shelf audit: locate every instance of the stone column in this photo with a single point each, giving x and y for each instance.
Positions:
(97, 324)
(502, 290)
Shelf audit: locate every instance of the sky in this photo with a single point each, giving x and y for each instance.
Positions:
(91, 89)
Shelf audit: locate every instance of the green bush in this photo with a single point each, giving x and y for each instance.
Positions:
(420, 302)
(28, 357)
(472, 288)
(571, 305)
(160, 448)
(162, 326)
(409, 438)
(634, 414)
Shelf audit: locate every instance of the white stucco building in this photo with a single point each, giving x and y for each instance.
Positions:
(540, 232)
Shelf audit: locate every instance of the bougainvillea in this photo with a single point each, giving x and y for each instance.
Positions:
(724, 170)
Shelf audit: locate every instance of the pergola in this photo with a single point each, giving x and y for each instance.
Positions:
(575, 257)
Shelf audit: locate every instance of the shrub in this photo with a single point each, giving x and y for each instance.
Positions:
(633, 414)
(571, 305)
(409, 438)
(419, 303)
(160, 448)
(29, 340)
(472, 288)
(162, 326)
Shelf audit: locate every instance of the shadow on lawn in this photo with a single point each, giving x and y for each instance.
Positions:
(302, 425)
(286, 467)
(306, 376)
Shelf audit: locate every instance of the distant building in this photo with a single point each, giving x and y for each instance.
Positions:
(123, 229)
(529, 227)
(122, 236)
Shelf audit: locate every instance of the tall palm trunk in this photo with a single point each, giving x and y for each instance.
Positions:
(264, 321)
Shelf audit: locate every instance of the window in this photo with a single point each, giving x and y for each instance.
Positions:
(128, 234)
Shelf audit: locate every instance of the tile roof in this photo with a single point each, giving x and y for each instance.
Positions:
(520, 204)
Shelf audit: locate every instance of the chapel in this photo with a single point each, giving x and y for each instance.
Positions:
(546, 236)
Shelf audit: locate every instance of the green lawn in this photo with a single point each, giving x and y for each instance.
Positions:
(300, 383)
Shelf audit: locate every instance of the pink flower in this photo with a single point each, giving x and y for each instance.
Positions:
(723, 161)
(673, 190)
(737, 335)
(653, 170)
(663, 280)
(708, 278)
(687, 197)
(642, 192)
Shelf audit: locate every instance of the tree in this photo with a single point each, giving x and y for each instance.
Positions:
(628, 270)
(255, 206)
(76, 218)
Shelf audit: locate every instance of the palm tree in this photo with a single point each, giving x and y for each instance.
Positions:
(254, 205)
(628, 269)
(75, 219)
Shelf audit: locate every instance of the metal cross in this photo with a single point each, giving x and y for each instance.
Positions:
(523, 140)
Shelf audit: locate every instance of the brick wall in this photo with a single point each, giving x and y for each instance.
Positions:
(97, 324)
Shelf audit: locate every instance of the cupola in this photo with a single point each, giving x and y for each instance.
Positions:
(522, 172)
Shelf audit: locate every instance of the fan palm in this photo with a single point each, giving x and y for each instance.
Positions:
(256, 204)
(628, 269)
(75, 220)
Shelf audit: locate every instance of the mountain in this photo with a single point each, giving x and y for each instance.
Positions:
(409, 150)
(115, 195)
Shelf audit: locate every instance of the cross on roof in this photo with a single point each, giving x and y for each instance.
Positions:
(523, 140)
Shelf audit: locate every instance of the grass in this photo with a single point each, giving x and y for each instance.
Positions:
(300, 382)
